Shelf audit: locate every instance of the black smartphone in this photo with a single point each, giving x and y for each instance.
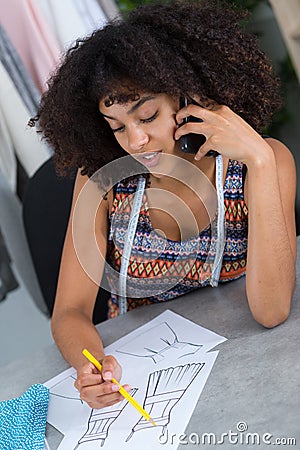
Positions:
(190, 143)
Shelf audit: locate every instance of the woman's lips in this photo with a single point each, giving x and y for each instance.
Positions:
(149, 159)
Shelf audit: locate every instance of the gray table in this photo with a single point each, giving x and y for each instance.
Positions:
(256, 377)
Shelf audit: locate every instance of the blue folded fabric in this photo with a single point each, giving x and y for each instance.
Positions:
(23, 420)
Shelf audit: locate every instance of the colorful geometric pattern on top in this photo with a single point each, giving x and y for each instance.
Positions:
(161, 269)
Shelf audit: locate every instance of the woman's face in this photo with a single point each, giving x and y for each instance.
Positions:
(144, 128)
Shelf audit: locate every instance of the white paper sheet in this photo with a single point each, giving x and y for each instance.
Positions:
(166, 364)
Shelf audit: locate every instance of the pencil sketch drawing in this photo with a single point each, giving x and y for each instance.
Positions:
(65, 389)
(164, 390)
(162, 342)
(101, 420)
(167, 362)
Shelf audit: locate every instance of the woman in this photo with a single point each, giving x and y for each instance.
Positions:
(118, 93)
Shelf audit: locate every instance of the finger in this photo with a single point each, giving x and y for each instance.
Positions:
(87, 368)
(207, 114)
(110, 368)
(87, 379)
(89, 392)
(105, 388)
(111, 399)
(127, 387)
(189, 110)
(203, 150)
(104, 402)
(106, 392)
(192, 127)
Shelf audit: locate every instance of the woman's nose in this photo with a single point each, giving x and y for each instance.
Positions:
(137, 139)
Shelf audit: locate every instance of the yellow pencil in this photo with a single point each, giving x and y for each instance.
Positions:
(122, 391)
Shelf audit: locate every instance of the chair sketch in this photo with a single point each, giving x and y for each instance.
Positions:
(101, 420)
(164, 390)
(163, 342)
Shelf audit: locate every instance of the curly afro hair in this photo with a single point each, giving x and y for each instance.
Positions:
(178, 48)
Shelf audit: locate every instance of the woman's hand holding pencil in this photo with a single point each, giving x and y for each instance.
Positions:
(96, 388)
(121, 389)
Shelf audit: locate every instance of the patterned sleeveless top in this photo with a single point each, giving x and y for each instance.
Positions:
(161, 269)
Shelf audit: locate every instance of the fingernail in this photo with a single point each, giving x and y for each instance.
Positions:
(107, 375)
(115, 388)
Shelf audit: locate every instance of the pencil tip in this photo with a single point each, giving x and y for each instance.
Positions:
(153, 423)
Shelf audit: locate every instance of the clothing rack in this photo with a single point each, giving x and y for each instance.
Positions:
(34, 34)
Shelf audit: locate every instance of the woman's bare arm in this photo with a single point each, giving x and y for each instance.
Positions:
(80, 273)
(270, 196)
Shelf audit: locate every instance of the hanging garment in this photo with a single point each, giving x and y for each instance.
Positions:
(110, 8)
(8, 163)
(91, 13)
(30, 34)
(16, 137)
(12, 229)
(8, 280)
(72, 19)
(18, 73)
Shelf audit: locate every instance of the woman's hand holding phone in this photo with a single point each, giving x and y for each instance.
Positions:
(224, 131)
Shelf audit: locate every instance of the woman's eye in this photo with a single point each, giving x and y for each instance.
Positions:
(115, 130)
(150, 119)
(122, 128)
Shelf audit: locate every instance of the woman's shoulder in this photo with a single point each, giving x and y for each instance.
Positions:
(284, 157)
